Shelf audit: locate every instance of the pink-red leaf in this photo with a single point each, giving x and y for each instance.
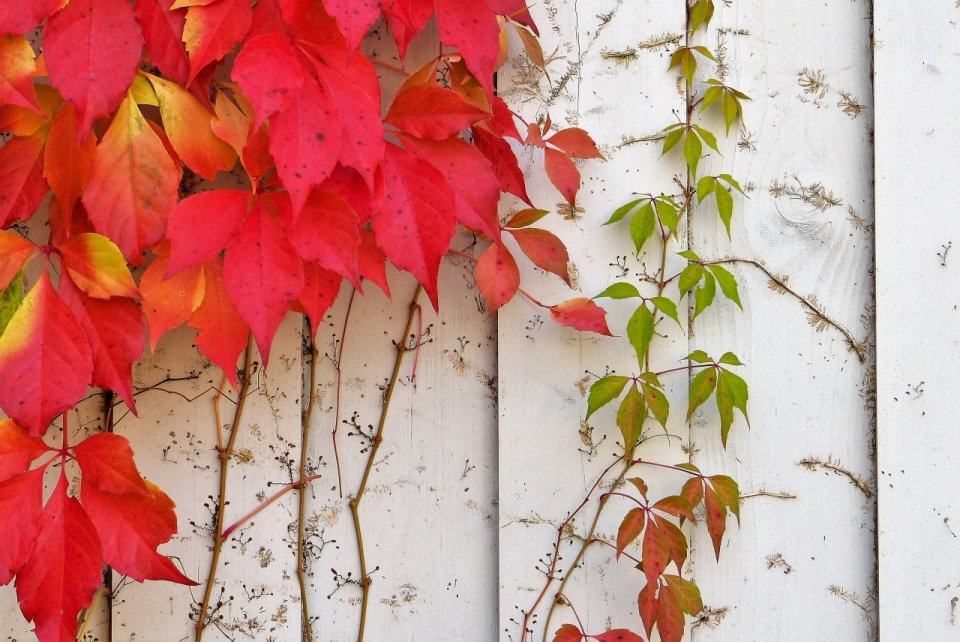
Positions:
(133, 185)
(581, 314)
(96, 266)
(498, 276)
(63, 571)
(432, 112)
(326, 233)
(106, 460)
(545, 250)
(270, 74)
(562, 173)
(656, 553)
(116, 330)
(716, 518)
(471, 27)
(263, 275)
(20, 16)
(649, 606)
(354, 17)
(45, 361)
(16, 73)
(618, 635)
(305, 141)
(676, 542)
(320, 290)
(22, 186)
(630, 528)
(222, 332)
(91, 49)
(670, 623)
(14, 250)
(21, 501)
(17, 449)
(372, 261)
(131, 527)
(504, 162)
(66, 164)
(202, 225)
(212, 30)
(576, 143)
(418, 217)
(163, 33)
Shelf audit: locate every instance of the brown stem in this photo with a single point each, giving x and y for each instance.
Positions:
(228, 531)
(302, 508)
(224, 456)
(402, 349)
(337, 364)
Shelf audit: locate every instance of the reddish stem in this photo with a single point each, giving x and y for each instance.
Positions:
(280, 493)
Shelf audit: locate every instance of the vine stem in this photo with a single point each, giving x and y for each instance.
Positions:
(301, 487)
(336, 416)
(402, 349)
(224, 456)
(277, 495)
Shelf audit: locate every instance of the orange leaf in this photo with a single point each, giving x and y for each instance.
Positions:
(656, 554)
(677, 506)
(96, 266)
(67, 165)
(676, 543)
(630, 528)
(168, 303)
(618, 635)
(649, 606)
(562, 173)
(716, 518)
(17, 449)
(545, 250)
(568, 633)
(581, 314)
(432, 112)
(14, 250)
(670, 623)
(22, 186)
(16, 70)
(222, 332)
(576, 143)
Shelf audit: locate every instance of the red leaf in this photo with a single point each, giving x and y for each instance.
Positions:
(63, 571)
(45, 361)
(270, 74)
(562, 173)
(116, 330)
(347, 183)
(618, 635)
(212, 30)
(107, 462)
(568, 633)
(17, 449)
(470, 175)
(305, 141)
(576, 143)
(498, 276)
(373, 262)
(362, 136)
(22, 186)
(168, 303)
(670, 624)
(503, 123)
(545, 250)
(67, 165)
(716, 518)
(263, 275)
(471, 27)
(131, 527)
(133, 186)
(14, 250)
(432, 112)
(677, 506)
(163, 32)
(630, 528)
(16, 73)
(222, 333)
(728, 492)
(202, 225)
(267, 18)
(504, 161)
(20, 16)
(692, 491)
(91, 49)
(21, 501)
(656, 554)
(320, 290)
(354, 18)
(515, 10)
(581, 314)
(188, 124)
(96, 266)
(676, 542)
(649, 606)
(418, 217)
(326, 234)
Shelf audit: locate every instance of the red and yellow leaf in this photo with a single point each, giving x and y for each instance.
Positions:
(17, 449)
(649, 606)
(45, 361)
(91, 49)
(677, 506)
(97, 267)
(676, 542)
(222, 333)
(656, 554)
(686, 592)
(213, 29)
(670, 623)
(498, 276)
(168, 303)
(545, 250)
(581, 314)
(716, 518)
(133, 185)
(16, 73)
(568, 633)
(14, 250)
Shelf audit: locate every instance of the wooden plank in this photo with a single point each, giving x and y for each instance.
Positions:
(917, 71)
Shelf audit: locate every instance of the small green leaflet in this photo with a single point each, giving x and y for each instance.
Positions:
(667, 307)
(677, 131)
(10, 300)
(657, 402)
(725, 207)
(699, 356)
(729, 99)
(730, 359)
(640, 331)
(705, 187)
(642, 226)
(690, 255)
(620, 291)
(623, 210)
(603, 391)
(731, 393)
(692, 151)
(701, 14)
(728, 285)
(690, 277)
(705, 294)
(701, 388)
(630, 417)
(668, 212)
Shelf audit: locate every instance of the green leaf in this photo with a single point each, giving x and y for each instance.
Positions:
(701, 14)
(622, 211)
(657, 402)
(672, 139)
(687, 593)
(707, 137)
(688, 466)
(705, 294)
(10, 300)
(688, 64)
(690, 277)
(728, 284)
(741, 393)
(705, 187)
(730, 105)
(642, 226)
(603, 391)
(668, 212)
(703, 51)
(711, 96)
(731, 393)
(630, 417)
(666, 306)
(652, 379)
(725, 207)
(699, 356)
(690, 255)
(730, 359)
(692, 151)
(620, 291)
(701, 388)
(732, 182)
(640, 331)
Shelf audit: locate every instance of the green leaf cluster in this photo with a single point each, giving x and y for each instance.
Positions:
(693, 138)
(644, 397)
(724, 194)
(647, 211)
(729, 100)
(731, 390)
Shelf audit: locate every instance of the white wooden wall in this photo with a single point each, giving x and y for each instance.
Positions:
(483, 452)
